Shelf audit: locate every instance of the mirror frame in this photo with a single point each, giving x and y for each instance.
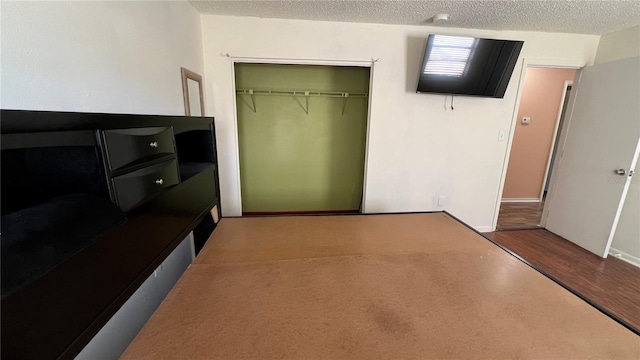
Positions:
(186, 75)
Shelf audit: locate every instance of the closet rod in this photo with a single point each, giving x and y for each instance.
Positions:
(301, 93)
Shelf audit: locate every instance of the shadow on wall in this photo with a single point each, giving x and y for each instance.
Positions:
(415, 52)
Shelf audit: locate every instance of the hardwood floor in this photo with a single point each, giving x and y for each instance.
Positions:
(518, 216)
(611, 283)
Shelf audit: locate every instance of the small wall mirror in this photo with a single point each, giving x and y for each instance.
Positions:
(192, 93)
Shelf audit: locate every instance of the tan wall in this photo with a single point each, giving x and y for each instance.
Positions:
(541, 100)
(619, 45)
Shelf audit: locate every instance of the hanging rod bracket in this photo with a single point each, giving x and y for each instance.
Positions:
(306, 97)
(253, 100)
(344, 101)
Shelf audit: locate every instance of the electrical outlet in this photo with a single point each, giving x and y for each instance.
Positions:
(501, 135)
(441, 200)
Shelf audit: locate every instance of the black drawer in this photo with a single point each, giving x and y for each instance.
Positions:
(127, 147)
(132, 188)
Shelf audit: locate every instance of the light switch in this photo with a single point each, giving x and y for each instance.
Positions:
(526, 120)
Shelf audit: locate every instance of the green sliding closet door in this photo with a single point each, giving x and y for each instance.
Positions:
(299, 158)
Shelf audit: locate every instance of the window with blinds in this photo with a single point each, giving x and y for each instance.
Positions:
(449, 55)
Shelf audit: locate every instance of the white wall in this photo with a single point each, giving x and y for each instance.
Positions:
(116, 57)
(103, 56)
(614, 46)
(417, 149)
(619, 45)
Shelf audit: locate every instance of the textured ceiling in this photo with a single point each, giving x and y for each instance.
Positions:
(577, 16)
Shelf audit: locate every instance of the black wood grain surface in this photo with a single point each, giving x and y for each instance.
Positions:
(56, 315)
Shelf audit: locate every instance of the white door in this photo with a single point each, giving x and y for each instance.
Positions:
(603, 135)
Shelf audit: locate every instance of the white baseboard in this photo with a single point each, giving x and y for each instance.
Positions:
(513, 200)
(483, 229)
(625, 257)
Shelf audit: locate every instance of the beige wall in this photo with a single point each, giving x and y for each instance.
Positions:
(417, 149)
(541, 100)
(98, 56)
(619, 45)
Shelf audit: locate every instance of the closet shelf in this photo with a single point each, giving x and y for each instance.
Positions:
(332, 94)
(338, 94)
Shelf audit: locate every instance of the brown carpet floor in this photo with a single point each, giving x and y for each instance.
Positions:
(370, 287)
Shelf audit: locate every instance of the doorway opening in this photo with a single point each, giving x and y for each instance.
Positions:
(302, 132)
(541, 114)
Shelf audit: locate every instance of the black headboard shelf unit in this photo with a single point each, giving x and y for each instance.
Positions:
(92, 204)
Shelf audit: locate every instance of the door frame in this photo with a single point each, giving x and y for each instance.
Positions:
(533, 62)
(556, 132)
(293, 61)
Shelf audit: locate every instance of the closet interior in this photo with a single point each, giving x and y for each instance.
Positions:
(302, 137)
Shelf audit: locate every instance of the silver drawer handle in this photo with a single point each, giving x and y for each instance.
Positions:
(153, 144)
(159, 181)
